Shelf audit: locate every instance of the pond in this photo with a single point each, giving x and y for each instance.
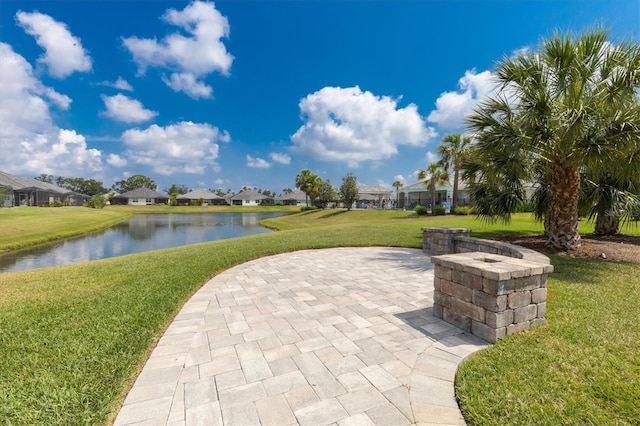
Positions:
(141, 233)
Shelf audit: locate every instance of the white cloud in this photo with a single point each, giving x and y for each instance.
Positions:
(64, 53)
(279, 157)
(221, 181)
(36, 144)
(184, 147)
(25, 100)
(400, 178)
(127, 110)
(257, 163)
(347, 124)
(64, 153)
(120, 84)
(187, 83)
(116, 161)
(452, 108)
(431, 157)
(190, 58)
(384, 184)
(61, 101)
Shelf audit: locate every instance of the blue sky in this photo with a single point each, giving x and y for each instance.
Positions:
(248, 93)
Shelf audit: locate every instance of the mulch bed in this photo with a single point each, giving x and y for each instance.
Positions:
(606, 248)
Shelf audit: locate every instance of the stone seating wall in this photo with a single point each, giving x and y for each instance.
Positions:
(488, 288)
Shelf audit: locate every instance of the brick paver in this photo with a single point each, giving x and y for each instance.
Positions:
(334, 336)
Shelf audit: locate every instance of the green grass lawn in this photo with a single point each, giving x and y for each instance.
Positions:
(72, 338)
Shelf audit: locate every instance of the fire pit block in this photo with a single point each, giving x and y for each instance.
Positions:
(489, 295)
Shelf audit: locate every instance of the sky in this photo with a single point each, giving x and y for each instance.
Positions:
(248, 93)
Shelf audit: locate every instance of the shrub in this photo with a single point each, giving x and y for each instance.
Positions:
(96, 202)
(463, 211)
(439, 211)
(306, 208)
(526, 207)
(56, 203)
(421, 210)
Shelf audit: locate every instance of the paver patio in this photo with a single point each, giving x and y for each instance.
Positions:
(335, 336)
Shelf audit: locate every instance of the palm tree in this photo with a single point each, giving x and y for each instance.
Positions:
(610, 199)
(452, 153)
(434, 175)
(572, 105)
(309, 183)
(397, 185)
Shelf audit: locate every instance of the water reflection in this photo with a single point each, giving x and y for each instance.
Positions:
(138, 234)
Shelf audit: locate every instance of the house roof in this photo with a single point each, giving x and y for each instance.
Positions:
(418, 186)
(196, 194)
(373, 190)
(294, 195)
(142, 193)
(249, 194)
(421, 186)
(18, 183)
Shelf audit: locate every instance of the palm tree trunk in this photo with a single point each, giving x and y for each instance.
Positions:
(607, 224)
(564, 189)
(454, 202)
(433, 198)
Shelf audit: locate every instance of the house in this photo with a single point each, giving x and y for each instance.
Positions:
(140, 197)
(20, 191)
(208, 198)
(249, 197)
(418, 195)
(294, 198)
(373, 197)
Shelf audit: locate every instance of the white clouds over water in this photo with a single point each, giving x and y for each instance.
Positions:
(184, 147)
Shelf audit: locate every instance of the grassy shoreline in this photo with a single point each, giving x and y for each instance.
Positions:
(24, 227)
(73, 337)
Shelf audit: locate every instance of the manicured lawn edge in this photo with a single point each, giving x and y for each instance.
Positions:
(24, 227)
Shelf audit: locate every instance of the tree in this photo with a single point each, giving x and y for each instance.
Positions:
(92, 187)
(349, 190)
(219, 191)
(452, 153)
(97, 202)
(327, 194)
(80, 185)
(397, 185)
(609, 199)
(309, 183)
(175, 190)
(3, 191)
(45, 178)
(434, 175)
(134, 182)
(570, 106)
(287, 191)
